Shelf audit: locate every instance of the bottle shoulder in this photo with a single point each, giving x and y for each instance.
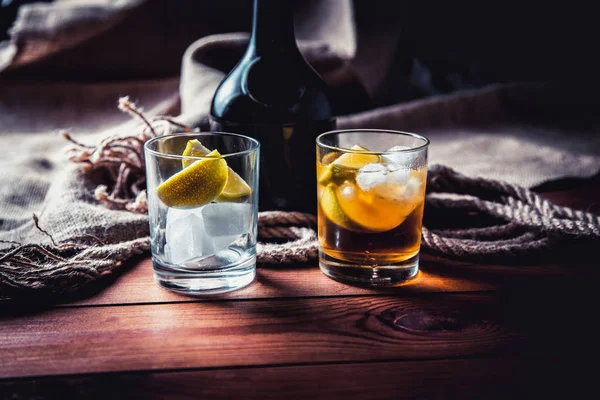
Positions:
(271, 89)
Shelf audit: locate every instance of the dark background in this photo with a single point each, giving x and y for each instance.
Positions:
(444, 46)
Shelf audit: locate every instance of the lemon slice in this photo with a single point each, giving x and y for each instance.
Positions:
(330, 205)
(235, 188)
(371, 211)
(193, 149)
(345, 166)
(197, 185)
(357, 159)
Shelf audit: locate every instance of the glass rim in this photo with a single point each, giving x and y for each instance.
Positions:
(425, 140)
(255, 143)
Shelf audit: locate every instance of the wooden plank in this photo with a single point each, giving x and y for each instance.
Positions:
(136, 284)
(245, 333)
(491, 378)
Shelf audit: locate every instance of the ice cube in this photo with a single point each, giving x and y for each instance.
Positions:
(223, 242)
(413, 188)
(227, 219)
(347, 191)
(186, 237)
(371, 175)
(398, 175)
(226, 223)
(407, 159)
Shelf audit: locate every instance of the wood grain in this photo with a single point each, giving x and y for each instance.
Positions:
(277, 332)
(136, 284)
(438, 379)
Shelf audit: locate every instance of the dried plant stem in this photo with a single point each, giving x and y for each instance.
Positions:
(36, 222)
(121, 157)
(68, 137)
(130, 150)
(121, 178)
(131, 108)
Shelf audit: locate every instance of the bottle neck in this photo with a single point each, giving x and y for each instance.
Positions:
(273, 28)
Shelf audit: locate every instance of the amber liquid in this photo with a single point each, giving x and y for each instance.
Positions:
(392, 246)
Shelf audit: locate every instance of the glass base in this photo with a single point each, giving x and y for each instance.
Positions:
(369, 275)
(205, 281)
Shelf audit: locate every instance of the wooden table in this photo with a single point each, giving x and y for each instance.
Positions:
(458, 330)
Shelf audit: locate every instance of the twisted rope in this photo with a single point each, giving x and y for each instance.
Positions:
(296, 228)
(53, 270)
(513, 202)
(529, 223)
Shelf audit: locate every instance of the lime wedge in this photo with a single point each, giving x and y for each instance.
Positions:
(235, 189)
(198, 184)
(345, 166)
(330, 205)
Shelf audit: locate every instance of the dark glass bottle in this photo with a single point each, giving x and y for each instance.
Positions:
(275, 96)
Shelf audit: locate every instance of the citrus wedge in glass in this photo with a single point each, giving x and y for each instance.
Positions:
(235, 189)
(345, 166)
(331, 207)
(198, 184)
(370, 211)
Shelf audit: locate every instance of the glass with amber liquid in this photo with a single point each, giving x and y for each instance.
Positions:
(371, 194)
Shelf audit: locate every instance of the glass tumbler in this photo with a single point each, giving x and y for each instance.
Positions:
(202, 205)
(371, 194)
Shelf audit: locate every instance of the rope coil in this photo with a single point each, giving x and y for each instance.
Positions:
(531, 224)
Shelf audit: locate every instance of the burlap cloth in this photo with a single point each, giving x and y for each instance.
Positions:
(68, 62)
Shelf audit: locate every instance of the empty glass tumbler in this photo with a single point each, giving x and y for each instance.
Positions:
(202, 205)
